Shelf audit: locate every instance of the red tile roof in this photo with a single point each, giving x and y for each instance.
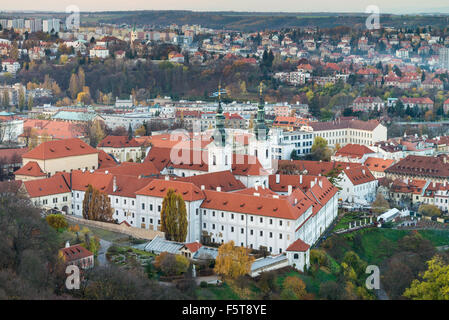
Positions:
(420, 166)
(31, 169)
(118, 142)
(105, 160)
(45, 187)
(74, 253)
(246, 165)
(317, 167)
(159, 188)
(193, 246)
(359, 175)
(263, 192)
(132, 169)
(255, 205)
(223, 179)
(353, 151)
(98, 180)
(60, 149)
(290, 180)
(298, 246)
(378, 164)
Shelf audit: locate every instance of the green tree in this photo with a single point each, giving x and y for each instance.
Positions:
(429, 210)
(22, 99)
(434, 284)
(174, 217)
(320, 150)
(30, 103)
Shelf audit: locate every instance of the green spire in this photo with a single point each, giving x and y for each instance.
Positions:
(261, 129)
(219, 119)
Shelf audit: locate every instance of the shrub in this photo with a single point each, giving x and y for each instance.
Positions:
(57, 221)
(203, 284)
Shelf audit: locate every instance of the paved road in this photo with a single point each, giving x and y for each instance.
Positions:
(104, 246)
(209, 279)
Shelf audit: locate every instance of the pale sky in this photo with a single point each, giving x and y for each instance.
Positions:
(387, 6)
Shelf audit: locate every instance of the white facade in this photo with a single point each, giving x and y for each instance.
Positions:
(357, 193)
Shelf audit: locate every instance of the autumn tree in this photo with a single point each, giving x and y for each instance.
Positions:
(171, 264)
(174, 217)
(74, 86)
(233, 261)
(96, 205)
(30, 103)
(57, 221)
(380, 204)
(434, 284)
(296, 286)
(22, 100)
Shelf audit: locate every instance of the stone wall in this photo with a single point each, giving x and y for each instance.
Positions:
(131, 231)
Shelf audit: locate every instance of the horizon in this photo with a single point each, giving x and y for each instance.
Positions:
(263, 6)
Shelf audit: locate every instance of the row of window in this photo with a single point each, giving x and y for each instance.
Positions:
(242, 217)
(242, 231)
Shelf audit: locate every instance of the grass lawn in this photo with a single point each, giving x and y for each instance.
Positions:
(348, 217)
(212, 292)
(104, 234)
(437, 237)
(371, 238)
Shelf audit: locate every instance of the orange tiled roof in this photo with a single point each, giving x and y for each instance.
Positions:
(118, 142)
(223, 179)
(74, 253)
(49, 186)
(255, 205)
(299, 246)
(60, 149)
(353, 151)
(378, 164)
(359, 175)
(31, 169)
(132, 169)
(159, 188)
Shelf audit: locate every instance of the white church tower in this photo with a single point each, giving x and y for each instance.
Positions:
(219, 152)
(260, 146)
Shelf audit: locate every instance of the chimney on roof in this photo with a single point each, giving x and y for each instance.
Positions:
(278, 178)
(312, 183)
(256, 187)
(296, 201)
(106, 172)
(320, 182)
(256, 194)
(219, 189)
(434, 184)
(203, 187)
(167, 178)
(114, 184)
(67, 244)
(275, 196)
(300, 179)
(363, 171)
(290, 189)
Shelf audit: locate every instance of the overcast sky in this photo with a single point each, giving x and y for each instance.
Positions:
(387, 6)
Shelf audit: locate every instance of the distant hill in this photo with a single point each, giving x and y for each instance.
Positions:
(257, 21)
